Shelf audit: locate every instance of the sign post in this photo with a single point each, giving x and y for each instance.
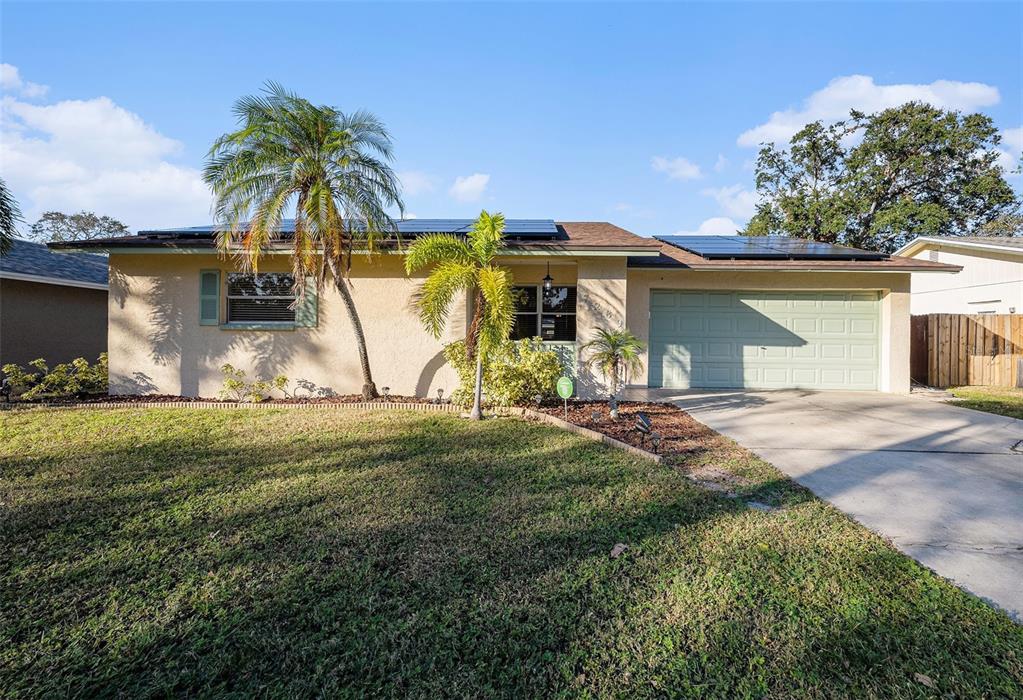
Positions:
(565, 389)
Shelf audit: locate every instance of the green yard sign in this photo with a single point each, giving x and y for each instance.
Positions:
(565, 388)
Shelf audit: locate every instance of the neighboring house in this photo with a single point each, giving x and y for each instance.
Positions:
(52, 305)
(715, 311)
(991, 281)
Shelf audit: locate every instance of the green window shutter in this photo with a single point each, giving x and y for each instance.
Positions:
(209, 297)
(307, 313)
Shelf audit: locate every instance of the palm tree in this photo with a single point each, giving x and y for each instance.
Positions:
(332, 166)
(10, 214)
(615, 354)
(466, 266)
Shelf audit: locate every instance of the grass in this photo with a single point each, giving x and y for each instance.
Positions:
(288, 553)
(1004, 401)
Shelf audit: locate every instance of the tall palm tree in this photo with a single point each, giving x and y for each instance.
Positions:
(333, 167)
(10, 215)
(466, 266)
(615, 354)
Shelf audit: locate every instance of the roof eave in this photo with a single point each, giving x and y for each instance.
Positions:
(59, 281)
(921, 243)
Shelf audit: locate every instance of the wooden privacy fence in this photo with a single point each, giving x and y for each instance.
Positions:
(959, 349)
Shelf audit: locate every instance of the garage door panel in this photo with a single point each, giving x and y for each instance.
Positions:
(827, 340)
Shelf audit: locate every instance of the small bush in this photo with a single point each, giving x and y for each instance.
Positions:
(238, 388)
(68, 379)
(513, 374)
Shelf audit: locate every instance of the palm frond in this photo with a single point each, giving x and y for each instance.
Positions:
(434, 248)
(434, 298)
(495, 284)
(485, 236)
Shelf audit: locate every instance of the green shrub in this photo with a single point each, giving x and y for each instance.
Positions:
(68, 379)
(513, 374)
(238, 388)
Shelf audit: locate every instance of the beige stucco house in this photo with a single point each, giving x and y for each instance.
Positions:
(753, 317)
(991, 281)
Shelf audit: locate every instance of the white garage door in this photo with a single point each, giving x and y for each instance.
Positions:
(764, 340)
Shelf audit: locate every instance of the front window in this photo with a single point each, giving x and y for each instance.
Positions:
(551, 318)
(264, 297)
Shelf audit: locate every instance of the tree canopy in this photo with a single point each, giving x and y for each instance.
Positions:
(56, 226)
(877, 181)
(329, 168)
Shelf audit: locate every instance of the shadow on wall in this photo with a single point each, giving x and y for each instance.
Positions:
(692, 343)
(175, 340)
(429, 372)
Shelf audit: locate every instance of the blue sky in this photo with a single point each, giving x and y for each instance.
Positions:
(644, 115)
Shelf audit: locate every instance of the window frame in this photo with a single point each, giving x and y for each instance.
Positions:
(228, 321)
(539, 312)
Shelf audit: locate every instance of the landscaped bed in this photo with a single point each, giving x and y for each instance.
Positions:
(297, 553)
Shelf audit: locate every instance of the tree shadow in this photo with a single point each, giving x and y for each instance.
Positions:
(435, 557)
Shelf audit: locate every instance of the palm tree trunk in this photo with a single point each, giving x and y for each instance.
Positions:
(477, 396)
(369, 389)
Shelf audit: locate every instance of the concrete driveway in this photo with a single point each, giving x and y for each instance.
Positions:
(942, 483)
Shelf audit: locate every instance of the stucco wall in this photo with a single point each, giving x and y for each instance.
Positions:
(158, 346)
(990, 282)
(55, 322)
(894, 290)
(601, 303)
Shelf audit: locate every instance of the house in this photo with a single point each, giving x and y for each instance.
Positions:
(715, 311)
(991, 281)
(52, 305)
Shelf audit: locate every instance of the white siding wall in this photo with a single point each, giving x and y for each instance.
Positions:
(990, 282)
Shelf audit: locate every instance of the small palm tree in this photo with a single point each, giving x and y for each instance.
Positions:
(615, 354)
(466, 266)
(10, 215)
(331, 166)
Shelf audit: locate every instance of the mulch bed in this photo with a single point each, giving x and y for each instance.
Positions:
(680, 433)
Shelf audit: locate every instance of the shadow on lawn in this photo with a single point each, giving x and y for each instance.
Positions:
(351, 563)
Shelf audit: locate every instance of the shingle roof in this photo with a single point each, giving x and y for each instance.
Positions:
(672, 257)
(36, 260)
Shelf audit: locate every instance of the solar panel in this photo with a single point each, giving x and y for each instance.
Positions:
(513, 228)
(766, 248)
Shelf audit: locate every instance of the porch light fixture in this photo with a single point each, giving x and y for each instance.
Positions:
(548, 282)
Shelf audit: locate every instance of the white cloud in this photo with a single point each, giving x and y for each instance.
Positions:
(414, 182)
(95, 155)
(469, 188)
(833, 103)
(1012, 146)
(676, 168)
(715, 226)
(734, 200)
(721, 163)
(11, 82)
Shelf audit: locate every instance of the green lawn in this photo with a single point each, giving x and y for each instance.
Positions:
(1004, 401)
(295, 553)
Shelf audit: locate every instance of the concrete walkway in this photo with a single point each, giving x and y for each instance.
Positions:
(944, 484)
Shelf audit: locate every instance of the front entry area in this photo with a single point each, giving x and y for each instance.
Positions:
(765, 340)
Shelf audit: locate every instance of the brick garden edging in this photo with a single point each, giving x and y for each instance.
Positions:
(363, 405)
(442, 408)
(584, 432)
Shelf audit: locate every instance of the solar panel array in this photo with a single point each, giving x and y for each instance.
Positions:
(513, 228)
(766, 248)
